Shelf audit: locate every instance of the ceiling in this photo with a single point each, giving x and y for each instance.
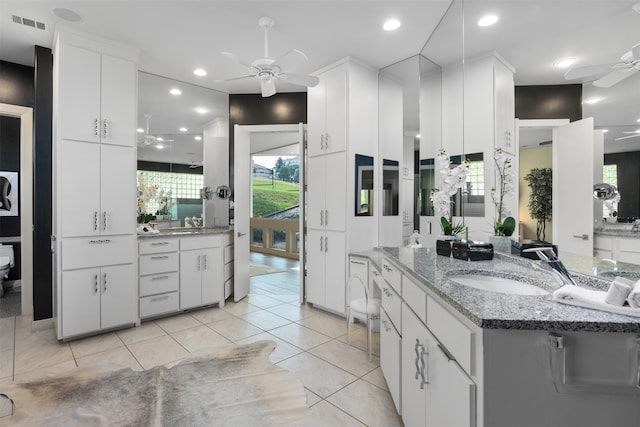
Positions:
(175, 37)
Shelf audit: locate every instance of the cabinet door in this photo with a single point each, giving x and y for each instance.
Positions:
(78, 189)
(80, 308)
(118, 102)
(336, 118)
(80, 94)
(336, 192)
(317, 118)
(315, 285)
(390, 345)
(117, 190)
(119, 298)
(449, 387)
(414, 337)
(316, 188)
(335, 266)
(190, 279)
(212, 276)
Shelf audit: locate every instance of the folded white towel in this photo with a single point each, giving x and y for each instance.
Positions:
(619, 291)
(581, 297)
(634, 296)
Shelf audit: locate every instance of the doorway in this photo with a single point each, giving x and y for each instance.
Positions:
(269, 211)
(25, 115)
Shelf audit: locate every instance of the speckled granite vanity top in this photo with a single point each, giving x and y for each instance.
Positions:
(185, 231)
(493, 310)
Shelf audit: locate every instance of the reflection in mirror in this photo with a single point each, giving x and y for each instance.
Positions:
(390, 187)
(470, 202)
(427, 185)
(364, 186)
(177, 123)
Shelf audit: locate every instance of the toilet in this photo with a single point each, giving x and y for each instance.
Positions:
(7, 262)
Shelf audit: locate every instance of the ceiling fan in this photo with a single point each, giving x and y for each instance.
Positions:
(634, 134)
(613, 73)
(146, 138)
(267, 69)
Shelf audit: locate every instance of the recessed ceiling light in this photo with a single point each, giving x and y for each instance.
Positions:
(592, 100)
(391, 24)
(198, 138)
(67, 14)
(175, 91)
(199, 72)
(183, 129)
(638, 120)
(488, 20)
(201, 110)
(605, 130)
(159, 146)
(140, 130)
(564, 62)
(160, 138)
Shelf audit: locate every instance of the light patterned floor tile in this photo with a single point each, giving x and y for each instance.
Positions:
(328, 415)
(368, 403)
(144, 332)
(114, 358)
(293, 312)
(96, 344)
(262, 301)
(264, 319)
(200, 338)
(376, 378)
(6, 363)
(312, 398)
(351, 359)
(177, 323)
(359, 339)
(235, 329)
(47, 372)
(327, 324)
(283, 349)
(7, 333)
(300, 336)
(319, 376)
(210, 315)
(240, 307)
(38, 350)
(157, 351)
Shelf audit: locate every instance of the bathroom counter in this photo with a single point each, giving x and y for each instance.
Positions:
(14, 239)
(492, 310)
(186, 231)
(626, 232)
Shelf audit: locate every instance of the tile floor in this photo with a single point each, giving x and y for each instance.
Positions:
(343, 388)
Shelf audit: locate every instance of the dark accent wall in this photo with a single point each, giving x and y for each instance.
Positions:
(549, 102)
(628, 182)
(253, 109)
(16, 84)
(167, 167)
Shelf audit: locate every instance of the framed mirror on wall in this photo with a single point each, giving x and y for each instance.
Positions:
(390, 187)
(364, 186)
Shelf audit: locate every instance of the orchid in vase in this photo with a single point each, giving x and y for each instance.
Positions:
(451, 179)
(505, 185)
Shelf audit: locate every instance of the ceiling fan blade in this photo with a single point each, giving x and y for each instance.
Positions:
(627, 137)
(614, 77)
(636, 51)
(299, 79)
(236, 58)
(268, 87)
(234, 78)
(284, 55)
(591, 70)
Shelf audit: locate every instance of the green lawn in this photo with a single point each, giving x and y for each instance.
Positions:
(271, 197)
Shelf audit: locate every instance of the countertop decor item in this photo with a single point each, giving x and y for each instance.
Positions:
(505, 186)
(451, 180)
(540, 199)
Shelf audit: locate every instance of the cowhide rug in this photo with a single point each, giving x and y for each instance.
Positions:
(236, 386)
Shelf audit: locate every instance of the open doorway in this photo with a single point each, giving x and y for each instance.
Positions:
(269, 211)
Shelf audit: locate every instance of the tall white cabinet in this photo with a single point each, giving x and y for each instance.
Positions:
(94, 184)
(342, 122)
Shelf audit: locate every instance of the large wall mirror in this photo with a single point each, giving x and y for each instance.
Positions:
(364, 185)
(177, 124)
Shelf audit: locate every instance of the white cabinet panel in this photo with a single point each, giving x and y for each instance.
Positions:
(159, 304)
(326, 270)
(212, 276)
(190, 279)
(81, 301)
(316, 188)
(117, 194)
(119, 292)
(335, 192)
(85, 252)
(327, 112)
(159, 283)
(390, 363)
(159, 263)
(118, 107)
(414, 339)
(155, 245)
(457, 338)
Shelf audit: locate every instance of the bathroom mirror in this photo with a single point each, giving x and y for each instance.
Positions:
(390, 187)
(427, 183)
(176, 122)
(469, 202)
(364, 185)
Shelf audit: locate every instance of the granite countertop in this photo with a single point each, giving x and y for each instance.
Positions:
(492, 310)
(13, 239)
(185, 231)
(622, 230)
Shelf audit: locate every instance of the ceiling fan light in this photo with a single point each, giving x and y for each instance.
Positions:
(564, 62)
(391, 24)
(183, 129)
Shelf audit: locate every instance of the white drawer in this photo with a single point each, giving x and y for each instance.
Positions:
(201, 242)
(392, 303)
(159, 304)
(228, 254)
(228, 288)
(415, 298)
(392, 275)
(159, 263)
(156, 245)
(159, 283)
(601, 242)
(85, 252)
(629, 245)
(452, 333)
(228, 271)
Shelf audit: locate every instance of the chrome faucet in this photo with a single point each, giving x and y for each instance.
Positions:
(551, 262)
(636, 226)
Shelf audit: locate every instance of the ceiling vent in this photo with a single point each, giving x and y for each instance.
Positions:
(28, 22)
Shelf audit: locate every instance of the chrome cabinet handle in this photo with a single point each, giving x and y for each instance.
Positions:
(95, 283)
(326, 243)
(353, 261)
(104, 283)
(96, 127)
(99, 242)
(160, 278)
(581, 236)
(241, 234)
(321, 217)
(105, 128)
(322, 138)
(415, 348)
(386, 326)
(198, 262)
(95, 220)
(158, 299)
(159, 243)
(321, 246)
(326, 217)
(387, 292)
(424, 365)
(104, 220)
(205, 261)
(326, 141)
(160, 257)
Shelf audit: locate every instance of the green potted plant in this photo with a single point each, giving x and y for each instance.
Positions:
(504, 225)
(541, 198)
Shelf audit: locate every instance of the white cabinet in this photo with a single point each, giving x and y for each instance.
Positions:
(327, 106)
(98, 104)
(436, 392)
(624, 249)
(96, 189)
(159, 281)
(98, 298)
(390, 358)
(202, 270)
(326, 269)
(327, 208)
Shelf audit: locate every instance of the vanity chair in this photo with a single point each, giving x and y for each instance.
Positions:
(361, 308)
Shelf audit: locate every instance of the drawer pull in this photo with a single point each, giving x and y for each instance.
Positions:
(160, 298)
(159, 243)
(386, 267)
(160, 278)
(358, 262)
(104, 283)
(386, 325)
(99, 242)
(95, 283)
(160, 257)
(387, 292)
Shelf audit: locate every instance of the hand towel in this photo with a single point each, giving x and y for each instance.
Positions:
(619, 291)
(581, 297)
(634, 296)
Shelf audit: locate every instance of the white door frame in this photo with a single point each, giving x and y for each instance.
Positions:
(284, 128)
(25, 114)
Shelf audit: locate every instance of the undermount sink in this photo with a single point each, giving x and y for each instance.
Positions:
(497, 284)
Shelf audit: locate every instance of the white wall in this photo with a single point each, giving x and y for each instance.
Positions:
(215, 140)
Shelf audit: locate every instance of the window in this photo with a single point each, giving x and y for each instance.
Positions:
(475, 178)
(178, 185)
(609, 176)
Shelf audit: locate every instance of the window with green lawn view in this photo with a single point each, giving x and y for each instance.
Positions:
(275, 183)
